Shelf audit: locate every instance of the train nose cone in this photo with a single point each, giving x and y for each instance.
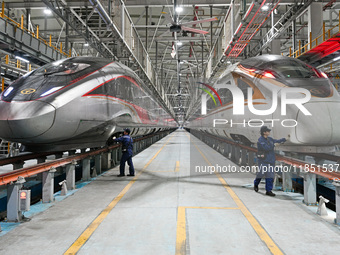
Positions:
(23, 120)
(322, 127)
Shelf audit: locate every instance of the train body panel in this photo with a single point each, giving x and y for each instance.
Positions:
(277, 85)
(76, 103)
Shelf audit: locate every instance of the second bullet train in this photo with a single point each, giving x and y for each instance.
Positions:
(77, 103)
(312, 126)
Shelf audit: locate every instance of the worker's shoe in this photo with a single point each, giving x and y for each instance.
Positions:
(256, 188)
(270, 193)
(120, 175)
(130, 175)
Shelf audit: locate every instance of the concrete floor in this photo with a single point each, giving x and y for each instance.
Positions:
(168, 208)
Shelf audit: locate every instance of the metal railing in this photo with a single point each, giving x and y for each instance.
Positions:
(315, 42)
(33, 33)
(139, 144)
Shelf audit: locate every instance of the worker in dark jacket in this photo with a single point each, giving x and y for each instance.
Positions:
(127, 149)
(266, 160)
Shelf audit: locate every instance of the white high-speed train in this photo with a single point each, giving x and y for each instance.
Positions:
(80, 102)
(306, 111)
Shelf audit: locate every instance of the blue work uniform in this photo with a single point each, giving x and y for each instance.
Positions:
(267, 164)
(127, 143)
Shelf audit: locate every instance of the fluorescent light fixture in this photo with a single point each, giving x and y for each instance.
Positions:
(22, 59)
(336, 59)
(86, 44)
(179, 43)
(50, 91)
(179, 9)
(228, 62)
(9, 90)
(265, 8)
(47, 11)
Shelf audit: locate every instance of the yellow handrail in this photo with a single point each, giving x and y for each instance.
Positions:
(318, 40)
(2, 84)
(21, 26)
(3, 10)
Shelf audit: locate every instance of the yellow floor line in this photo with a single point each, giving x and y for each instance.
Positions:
(181, 225)
(177, 166)
(181, 231)
(75, 247)
(253, 222)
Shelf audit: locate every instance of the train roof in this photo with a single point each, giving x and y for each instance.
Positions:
(263, 59)
(89, 60)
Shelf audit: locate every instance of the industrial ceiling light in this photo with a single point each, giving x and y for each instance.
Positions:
(179, 43)
(336, 59)
(86, 44)
(265, 8)
(22, 59)
(47, 11)
(179, 9)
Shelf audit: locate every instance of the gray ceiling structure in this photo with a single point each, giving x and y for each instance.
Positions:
(138, 33)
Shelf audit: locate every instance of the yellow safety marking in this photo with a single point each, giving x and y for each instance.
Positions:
(177, 166)
(181, 225)
(251, 219)
(82, 239)
(211, 207)
(167, 171)
(160, 171)
(181, 232)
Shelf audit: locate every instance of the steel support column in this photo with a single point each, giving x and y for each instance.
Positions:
(309, 188)
(48, 186)
(71, 175)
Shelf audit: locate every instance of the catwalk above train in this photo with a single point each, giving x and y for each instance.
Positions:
(312, 126)
(78, 102)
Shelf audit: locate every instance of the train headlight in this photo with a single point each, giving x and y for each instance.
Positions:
(8, 90)
(323, 74)
(50, 91)
(268, 75)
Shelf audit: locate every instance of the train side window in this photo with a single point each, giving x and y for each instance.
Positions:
(118, 88)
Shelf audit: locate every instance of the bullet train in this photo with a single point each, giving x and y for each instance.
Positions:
(78, 102)
(268, 82)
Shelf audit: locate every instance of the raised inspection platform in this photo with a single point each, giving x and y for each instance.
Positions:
(168, 208)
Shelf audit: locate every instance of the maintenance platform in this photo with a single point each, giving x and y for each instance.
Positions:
(170, 208)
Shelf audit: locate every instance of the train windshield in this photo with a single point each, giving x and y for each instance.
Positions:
(295, 73)
(51, 78)
(61, 68)
(291, 69)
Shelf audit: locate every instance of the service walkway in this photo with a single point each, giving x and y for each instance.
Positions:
(169, 209)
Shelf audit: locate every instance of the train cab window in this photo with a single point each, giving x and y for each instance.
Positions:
(118, 89)
(290, 69)
(61, 68)
(51, 78)
(225, 95)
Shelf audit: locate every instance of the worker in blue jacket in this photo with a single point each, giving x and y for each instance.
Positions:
(127, 149)
(266, 160)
